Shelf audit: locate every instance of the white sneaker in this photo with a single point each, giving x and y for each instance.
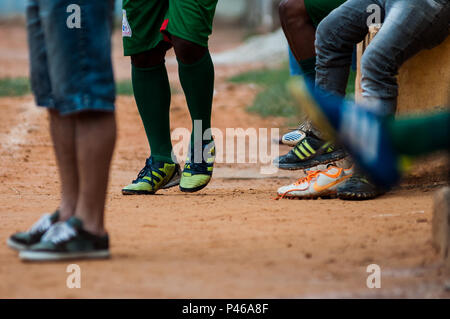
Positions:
(321, 183)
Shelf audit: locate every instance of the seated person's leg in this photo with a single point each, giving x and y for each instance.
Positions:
(335, 39)
(300, 33)
(299, 19)
(409, 26)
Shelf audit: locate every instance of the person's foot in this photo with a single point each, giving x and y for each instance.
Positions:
(154, 176)
(67, 240)
(309, 152)
(322, 183)
(23, 240)
(359, 187)
(196, 176)
(361, 131)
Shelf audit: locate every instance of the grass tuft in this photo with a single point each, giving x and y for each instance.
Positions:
(21, 86)
(14, 86)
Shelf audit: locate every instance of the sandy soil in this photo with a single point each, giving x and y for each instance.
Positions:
(230, 240)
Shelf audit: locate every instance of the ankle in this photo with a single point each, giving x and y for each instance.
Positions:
(66, 211)
(92, 220)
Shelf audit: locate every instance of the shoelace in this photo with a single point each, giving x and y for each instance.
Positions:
(59, 232)
(147, 171)
(42, 225)
(143, 172)
(202, 167)
(309, 177)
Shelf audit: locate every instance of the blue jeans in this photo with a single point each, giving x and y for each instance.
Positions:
(294, 68)
(71, 68)
(409, 26)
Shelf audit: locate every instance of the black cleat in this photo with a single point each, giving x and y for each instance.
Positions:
(359, 187)
(309, 152)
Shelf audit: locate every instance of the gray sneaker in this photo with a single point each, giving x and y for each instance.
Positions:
(23, 240)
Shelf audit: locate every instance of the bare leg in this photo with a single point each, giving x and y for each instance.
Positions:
(298, 28)
(95, 137)
(62, 130)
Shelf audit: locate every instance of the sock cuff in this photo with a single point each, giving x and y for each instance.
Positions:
(164, 159)
(206, 57)
(153, 68)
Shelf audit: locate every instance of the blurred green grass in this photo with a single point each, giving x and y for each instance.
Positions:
(14, 86)
(274, 98)
(21, 86)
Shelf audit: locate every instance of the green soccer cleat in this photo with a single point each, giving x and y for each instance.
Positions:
(197, 175)
(154, 176)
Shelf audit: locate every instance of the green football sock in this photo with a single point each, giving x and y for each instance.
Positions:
(152, 93)
(420, 135)
(197, 80)
(308, 67)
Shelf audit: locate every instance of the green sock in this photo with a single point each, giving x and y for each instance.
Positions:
(420, 135)
(308, 67)
(197, 80)
(152, 93)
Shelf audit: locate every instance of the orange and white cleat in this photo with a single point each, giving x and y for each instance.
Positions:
(320, 183)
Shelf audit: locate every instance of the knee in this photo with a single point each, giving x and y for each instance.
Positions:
(186, 51)
(323, 32)
(372, 63)
(149, 58)
(328, 40)
(292, 11)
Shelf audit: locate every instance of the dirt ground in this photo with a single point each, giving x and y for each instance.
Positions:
(231, 240)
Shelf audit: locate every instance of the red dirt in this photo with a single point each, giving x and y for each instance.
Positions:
(231, 240)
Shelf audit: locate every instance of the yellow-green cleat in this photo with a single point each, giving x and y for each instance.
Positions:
(197, 174)
(154, 176)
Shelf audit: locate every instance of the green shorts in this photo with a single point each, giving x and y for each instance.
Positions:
(146, 23)
(319, 9)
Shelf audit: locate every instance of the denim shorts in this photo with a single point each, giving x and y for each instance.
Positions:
(70, 54)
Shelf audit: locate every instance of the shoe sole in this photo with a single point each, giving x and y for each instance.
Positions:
(321, 196)
(290, 143)
(16, 246)
(135, 192)
(193, 190)
(174, 181)
(319, 160)
(358, 196)
(46, 256)
(170, 184)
